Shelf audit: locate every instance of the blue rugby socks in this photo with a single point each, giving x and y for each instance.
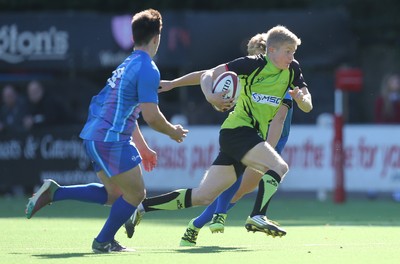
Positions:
(120, 211)
(92, 193)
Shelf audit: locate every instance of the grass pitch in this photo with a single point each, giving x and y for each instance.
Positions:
(359, 231)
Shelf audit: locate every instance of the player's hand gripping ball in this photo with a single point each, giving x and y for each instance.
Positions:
(227, 81)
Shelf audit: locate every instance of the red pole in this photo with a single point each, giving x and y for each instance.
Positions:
(347, 79)
(338, 154)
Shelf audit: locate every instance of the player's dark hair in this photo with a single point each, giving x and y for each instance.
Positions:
(146, 25)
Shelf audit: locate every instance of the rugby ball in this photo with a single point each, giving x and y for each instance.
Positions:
(227, 81)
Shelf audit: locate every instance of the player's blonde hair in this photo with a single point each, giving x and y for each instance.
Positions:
(257, 45)
(279, 35)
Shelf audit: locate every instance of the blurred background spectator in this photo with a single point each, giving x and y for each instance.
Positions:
(387, 105)
(12, 112)
(44, 109)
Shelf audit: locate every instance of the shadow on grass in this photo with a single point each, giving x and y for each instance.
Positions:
(212, 249)
(62, 255)
(80, 255)
(191, 250)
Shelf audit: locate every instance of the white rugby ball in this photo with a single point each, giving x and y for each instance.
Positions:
(227, 81)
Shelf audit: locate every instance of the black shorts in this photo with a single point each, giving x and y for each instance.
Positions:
(234, 144)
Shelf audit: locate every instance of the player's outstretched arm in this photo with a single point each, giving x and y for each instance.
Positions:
(303, 98)
(157, 121)
(189, 79)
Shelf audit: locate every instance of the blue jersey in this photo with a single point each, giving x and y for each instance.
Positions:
(114, 111)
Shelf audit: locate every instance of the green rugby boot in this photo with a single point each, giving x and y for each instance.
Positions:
(217, 224)
(260, 223)
(132, 222)
(190, 236)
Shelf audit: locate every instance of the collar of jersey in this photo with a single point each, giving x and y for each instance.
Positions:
(271, 68)
(141, 52)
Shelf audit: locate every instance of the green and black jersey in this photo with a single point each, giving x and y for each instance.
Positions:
(263, 89)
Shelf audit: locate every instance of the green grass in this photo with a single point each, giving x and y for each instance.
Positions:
(359, 231)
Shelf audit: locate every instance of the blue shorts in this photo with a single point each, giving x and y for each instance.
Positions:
(112, 157)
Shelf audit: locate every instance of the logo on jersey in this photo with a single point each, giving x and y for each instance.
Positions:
(259, 79)
(114, 79)
(266, 99)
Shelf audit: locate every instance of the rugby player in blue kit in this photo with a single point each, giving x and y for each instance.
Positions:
(112, 138)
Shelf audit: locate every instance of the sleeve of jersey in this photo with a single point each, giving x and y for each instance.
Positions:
(147, 85)
(298, 79)
(243, 65)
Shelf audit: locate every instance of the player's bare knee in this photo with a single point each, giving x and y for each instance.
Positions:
(284, 169)
(112, 197)
(141, 195)
(134, 197)
(281, 169)
(284, 175)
